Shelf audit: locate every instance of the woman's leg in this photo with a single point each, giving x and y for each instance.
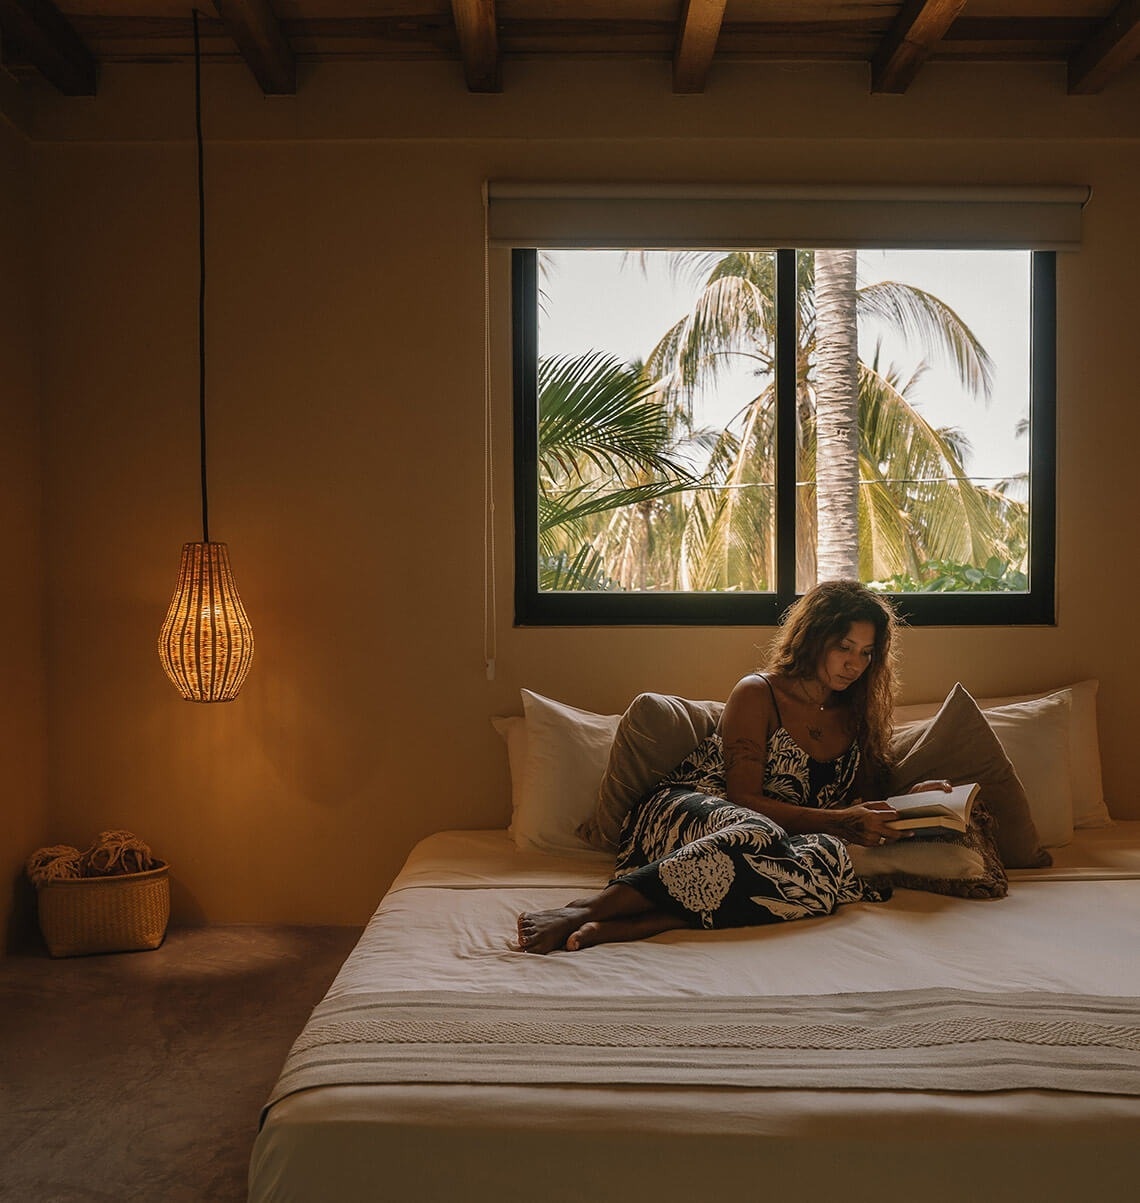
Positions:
(664, 823)
(613, 931)
(692, 860)
(545, 931)
(743, 871)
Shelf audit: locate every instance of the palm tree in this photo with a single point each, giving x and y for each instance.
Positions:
(836, 415)
(890, 492)
(608, 462)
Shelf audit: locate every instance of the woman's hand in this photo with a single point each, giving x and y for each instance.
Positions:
(866, 823)
(923, 786)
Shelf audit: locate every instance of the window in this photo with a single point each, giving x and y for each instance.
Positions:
(700, 433)
(874, 398)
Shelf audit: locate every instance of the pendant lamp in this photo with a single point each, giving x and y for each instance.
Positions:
(206, 642)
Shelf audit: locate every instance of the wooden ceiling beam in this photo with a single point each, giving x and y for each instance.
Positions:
(696, 44)
(917, 29)
(478, 34)
(1112, 47)
(259, 37)
(48, 41)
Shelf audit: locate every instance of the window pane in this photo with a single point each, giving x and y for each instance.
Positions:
(682, 419)
(656, 421)
(914, 419)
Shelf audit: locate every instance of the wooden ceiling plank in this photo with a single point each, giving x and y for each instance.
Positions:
(917, 29)
(262, 42)
(696, 44)
(50, 43)
(478, 33)
(1112, 47)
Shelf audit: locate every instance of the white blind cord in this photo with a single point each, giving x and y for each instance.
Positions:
(490, 615)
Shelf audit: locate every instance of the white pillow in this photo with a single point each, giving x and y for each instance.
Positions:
(557, 754)
(1035, 737)
(513, 730)
(1089, 809)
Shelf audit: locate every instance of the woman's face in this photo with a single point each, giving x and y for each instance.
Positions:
(846, 659)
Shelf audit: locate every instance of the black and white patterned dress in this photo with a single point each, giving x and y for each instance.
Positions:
(696, 855)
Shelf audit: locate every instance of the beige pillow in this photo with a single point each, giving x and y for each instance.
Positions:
(919, 858)
(1089, 809)
(1035, 737)
(965, 866)
(958, 744)
(654, 735)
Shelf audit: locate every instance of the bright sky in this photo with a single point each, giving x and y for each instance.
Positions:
(603, 300)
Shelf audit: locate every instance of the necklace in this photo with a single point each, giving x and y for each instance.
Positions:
(814, 732)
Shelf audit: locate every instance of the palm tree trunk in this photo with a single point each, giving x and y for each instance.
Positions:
(837, 416)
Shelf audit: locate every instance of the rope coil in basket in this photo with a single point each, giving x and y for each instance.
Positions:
(59, 862)
(112, 854)
(116, 852)
(114, 897)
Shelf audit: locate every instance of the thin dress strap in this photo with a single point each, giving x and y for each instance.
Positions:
(776, 704)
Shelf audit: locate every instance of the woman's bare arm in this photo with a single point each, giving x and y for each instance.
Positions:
(749, 719)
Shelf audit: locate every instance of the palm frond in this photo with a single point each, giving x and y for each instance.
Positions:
(732, 318)
(728, 538)
(563, 509)
(582, 571)
(596, 411)
(953, 517)
(920, 315)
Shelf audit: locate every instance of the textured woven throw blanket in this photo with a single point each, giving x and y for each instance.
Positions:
(935, 1039)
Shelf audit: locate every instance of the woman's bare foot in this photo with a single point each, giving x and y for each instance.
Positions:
(546, 931)
(613, 931)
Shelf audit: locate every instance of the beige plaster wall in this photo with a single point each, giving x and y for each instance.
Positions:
(22, 733)
(346, 409)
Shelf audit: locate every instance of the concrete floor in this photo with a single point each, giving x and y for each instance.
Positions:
(139, 1076)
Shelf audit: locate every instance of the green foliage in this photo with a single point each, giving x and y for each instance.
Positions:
(944, 576)
(606, 447)
(598, 414)
(584, 571)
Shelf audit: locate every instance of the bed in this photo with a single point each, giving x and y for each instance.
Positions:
(933, 1044)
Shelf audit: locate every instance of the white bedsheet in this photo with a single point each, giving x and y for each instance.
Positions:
(425, 936)
(448, 924)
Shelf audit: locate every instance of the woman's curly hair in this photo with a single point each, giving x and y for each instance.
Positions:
(820, 619)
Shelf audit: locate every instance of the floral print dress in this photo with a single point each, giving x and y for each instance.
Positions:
(696, 855)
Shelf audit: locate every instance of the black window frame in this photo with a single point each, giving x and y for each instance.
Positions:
(534, 607)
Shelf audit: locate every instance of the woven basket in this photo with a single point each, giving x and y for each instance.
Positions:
(124, 913)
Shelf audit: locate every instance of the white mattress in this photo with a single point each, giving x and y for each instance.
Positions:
(448, 922)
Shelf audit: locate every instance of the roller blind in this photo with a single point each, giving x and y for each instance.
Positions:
(681, 216)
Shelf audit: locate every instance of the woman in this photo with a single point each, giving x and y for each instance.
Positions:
(753, 826)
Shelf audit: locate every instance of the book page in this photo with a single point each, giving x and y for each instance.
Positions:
(935, 802)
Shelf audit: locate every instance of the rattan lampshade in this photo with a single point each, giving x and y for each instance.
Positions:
(206, 642)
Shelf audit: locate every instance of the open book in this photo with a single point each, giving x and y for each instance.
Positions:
(934, 809)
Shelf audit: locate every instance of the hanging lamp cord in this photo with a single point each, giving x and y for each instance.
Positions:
(201, 278)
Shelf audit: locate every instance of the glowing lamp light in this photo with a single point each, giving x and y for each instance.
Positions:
(206, 642)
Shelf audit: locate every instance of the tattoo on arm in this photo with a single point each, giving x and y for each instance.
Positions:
(848, 828)
(742, 751)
